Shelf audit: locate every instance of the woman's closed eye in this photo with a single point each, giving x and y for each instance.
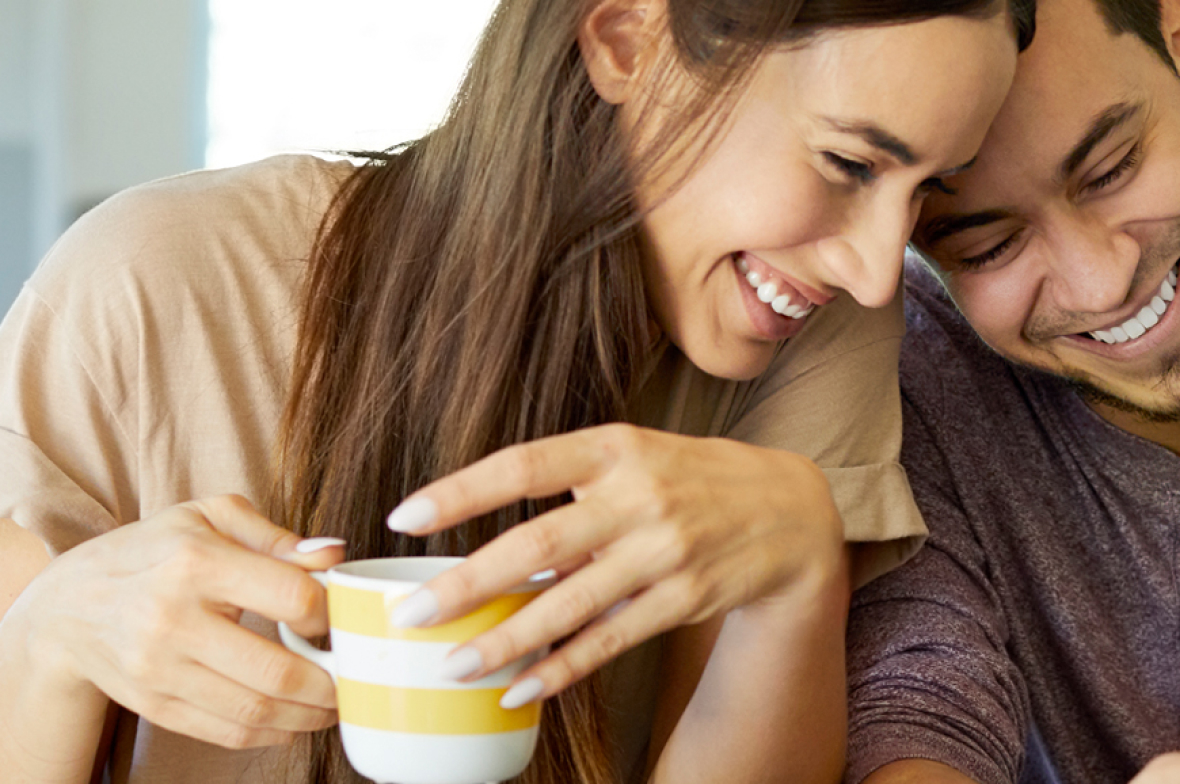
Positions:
(857, 170)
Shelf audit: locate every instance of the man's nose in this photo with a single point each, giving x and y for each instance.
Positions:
(1091, 266)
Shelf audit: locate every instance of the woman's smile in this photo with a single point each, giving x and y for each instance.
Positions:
(776, 308)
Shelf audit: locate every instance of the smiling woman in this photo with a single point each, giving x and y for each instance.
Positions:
(627, 313)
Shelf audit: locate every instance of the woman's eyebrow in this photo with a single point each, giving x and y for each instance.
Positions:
(876, 136)
(883, 140)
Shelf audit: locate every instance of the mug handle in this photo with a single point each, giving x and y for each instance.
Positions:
(326, 660)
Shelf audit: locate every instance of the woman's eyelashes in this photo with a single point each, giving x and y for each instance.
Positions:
(1128, 162)
(858, 170)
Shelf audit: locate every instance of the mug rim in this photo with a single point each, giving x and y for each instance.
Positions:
(344, 574)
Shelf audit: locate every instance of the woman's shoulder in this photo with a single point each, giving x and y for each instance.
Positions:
(182, 226)
(839, 329)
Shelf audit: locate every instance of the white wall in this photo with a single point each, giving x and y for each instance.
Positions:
(95, 96)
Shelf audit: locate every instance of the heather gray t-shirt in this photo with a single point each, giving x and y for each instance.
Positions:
(1035, 637)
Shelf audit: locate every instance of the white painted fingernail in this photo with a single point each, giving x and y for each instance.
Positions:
(413, 515)
(317, 544)
(415, 610)
(522, 693)
(460, 664)
(616, 608)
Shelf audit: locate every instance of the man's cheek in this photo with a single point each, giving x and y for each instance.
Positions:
(994, 311)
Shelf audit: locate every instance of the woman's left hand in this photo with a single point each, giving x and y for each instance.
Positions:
(665, 530)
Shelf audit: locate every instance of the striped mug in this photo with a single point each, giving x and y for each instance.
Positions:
(399, 720)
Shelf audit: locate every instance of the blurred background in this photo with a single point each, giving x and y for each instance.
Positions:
(99, 95)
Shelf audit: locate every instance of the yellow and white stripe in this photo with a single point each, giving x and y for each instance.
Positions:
(387, 676)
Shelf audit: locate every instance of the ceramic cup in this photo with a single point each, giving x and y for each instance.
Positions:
(399, 719)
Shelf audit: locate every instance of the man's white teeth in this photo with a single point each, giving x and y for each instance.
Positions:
(767, 292)
(1145, 319)
(754, 279)
(743, 265)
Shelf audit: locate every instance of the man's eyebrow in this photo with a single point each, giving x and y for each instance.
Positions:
(962, 167)
(877, 137)
(938, 229)
(1102, 126)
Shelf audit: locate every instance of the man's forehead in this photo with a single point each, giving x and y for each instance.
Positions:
(1074, 73)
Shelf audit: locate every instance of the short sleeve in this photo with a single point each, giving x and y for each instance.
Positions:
(834, 398)
(929, 675)
(65, 463)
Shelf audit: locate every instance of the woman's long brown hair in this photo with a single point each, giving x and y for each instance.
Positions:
(481, 287)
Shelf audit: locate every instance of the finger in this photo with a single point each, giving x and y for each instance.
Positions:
(558, 612)
(260, 665)
(652, 612)
(235, 518)
(180, 716)
(185, 719)
(537, 469)
(317, 555)
(558, 537)
(568, 567)
(220, 696)
(236, 578)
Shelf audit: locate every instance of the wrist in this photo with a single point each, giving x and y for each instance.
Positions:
(39, 665)
(820, 591)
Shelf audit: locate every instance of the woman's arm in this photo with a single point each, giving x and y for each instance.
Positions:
(50, 725)
(770, 704)
(687, 529)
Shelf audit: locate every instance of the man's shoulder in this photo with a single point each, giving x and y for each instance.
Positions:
(942, 356)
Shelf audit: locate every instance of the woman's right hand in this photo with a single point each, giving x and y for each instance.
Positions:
(148, 614)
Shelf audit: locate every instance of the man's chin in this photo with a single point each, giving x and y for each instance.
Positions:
(1098, 397)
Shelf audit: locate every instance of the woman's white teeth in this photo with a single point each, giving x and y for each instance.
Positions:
(1145, 319)
(768, 292)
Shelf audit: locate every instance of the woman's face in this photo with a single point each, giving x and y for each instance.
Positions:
(815, 182)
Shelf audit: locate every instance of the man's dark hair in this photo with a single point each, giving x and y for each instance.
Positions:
(1141, 17)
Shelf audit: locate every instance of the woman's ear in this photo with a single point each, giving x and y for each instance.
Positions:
(615, 39)
(1170, 28)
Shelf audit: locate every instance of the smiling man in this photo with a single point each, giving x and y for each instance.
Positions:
(1036, 638)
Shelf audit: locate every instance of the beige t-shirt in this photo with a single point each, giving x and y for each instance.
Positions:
(146, 363)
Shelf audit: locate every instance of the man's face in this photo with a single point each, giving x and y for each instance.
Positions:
(1061, 243)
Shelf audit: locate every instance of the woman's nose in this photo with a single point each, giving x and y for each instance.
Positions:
(866, 260)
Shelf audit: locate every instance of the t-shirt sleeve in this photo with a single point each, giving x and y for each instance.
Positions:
(929, 675)
(836, 401)
(66, 452)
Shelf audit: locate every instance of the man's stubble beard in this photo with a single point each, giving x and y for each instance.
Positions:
(1169, 378)
(1091, 390)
